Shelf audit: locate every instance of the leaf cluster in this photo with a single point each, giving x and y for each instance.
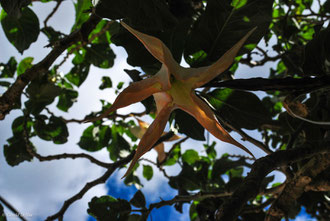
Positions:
(288, 116)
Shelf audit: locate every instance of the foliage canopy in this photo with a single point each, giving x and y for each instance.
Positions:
(293, 117)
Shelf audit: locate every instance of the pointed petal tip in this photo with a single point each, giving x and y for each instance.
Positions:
(130, 168)
(244, 149)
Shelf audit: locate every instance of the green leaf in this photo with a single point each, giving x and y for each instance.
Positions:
(147, 172)
(109, 208)
(81, 7)
(78, 73)
(223, 164)
(216, 34)
(187, 179)
(101, 27)
(137, 54)
(16, 29)
(18, 126)
(55, 130)
(173, 156)
(326, 6)
(210, 150)
(8, 70)
(145, 13)
(120, 85)
(16, 152)
(118, 143)
(14, 7)
(66, 99)
(52, 34)
(317, 54)
(136, 217)
(238, 3)
(131, 179)
(242, 109)
(106, 83)
(138, 200)
(100, 55)
(190, 156)
(25, 64)
(235, 172)
(95, 138)
(188, 125)
(41, 93)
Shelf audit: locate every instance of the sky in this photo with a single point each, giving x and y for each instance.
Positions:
(38, 189)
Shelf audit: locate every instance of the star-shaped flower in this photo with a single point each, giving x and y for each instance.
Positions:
(140, 130)
(173, 87)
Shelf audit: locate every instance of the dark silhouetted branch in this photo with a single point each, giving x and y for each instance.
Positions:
(284, 84)
(251, 185)
(58, 3)
(11, 208)
(89, 185)
(296, 187)
(12, 96)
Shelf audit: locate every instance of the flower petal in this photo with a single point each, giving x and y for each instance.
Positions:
(153, 133)
(200, 76)
(156, 47)
(139, 91)
(161, 100)
(205, 116)
(161, 153)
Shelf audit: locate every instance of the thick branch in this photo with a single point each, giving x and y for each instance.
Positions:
(252, 183)
(318, 186)
(12, 96)
(89, 185)
(296, 187)
(284, 84)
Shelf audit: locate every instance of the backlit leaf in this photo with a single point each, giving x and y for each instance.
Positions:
(138, 200)
(16, 29)
(147, 172)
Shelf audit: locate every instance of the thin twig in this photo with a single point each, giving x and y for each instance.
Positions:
(41, 158)
(71, 156)
(12, 208)
(158, 166)
(58, 3)
(172, 148)
(250, 139)
(112, 116)
(89, 185)
(188, 198)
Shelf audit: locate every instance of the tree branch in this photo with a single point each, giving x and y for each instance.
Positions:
(68, 155)
(284, 84)
(58, 3)
(12, 208)
(188, 198)
(318, 185)
(102, 179)
(12, 96)
(252, 183)
(296, 187)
